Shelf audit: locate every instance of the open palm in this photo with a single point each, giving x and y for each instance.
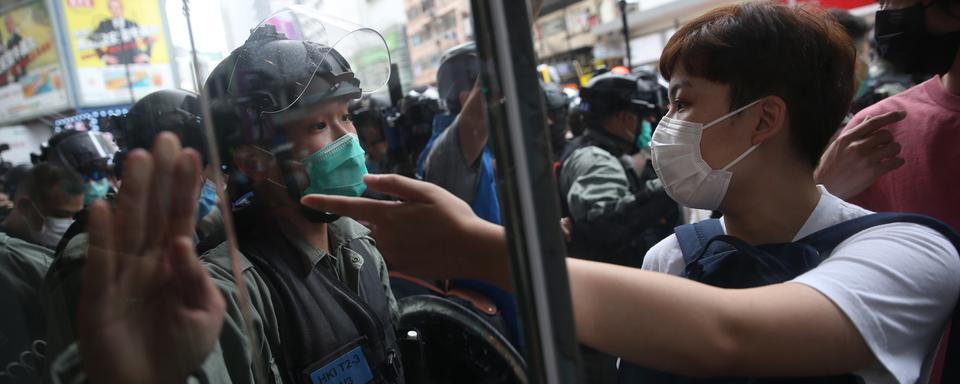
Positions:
(148, 312)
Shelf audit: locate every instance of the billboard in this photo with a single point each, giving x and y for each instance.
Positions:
(119, 49)
(31, 79)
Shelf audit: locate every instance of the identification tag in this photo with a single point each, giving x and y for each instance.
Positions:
(349, 367)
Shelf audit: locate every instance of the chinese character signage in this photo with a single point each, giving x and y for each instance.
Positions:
(31, 81)
(119, 47)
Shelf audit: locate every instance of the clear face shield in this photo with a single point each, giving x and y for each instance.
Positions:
(278, 106)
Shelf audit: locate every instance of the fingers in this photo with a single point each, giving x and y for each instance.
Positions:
(405, 188)
(871, 124)
(357, 208)
(101, 268)
(183, 207)
(889, 165)
(196, 287)
(166, 148)
(884, 152)
(867, 145)
(130, 220)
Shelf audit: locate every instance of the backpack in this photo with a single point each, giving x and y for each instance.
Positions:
(715, 258)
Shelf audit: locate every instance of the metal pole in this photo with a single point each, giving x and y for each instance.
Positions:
(193, 48)
(627, 60)
(527, 190)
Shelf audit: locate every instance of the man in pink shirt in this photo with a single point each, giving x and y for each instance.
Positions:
(862, 165)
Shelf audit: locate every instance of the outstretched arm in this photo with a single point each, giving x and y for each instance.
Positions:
(472, 127)
(657, 320)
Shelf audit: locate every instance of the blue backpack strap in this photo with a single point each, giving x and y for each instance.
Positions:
(693, 237)
(827, 239)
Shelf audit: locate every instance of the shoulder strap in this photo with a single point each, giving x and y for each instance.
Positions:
(827, 239)
(693, 237)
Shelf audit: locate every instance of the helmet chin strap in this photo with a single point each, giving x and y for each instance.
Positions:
(317, 217)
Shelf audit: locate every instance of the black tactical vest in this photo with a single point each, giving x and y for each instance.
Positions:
(328, 333)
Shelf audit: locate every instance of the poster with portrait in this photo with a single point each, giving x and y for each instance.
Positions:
(31, 79)
(119, 49)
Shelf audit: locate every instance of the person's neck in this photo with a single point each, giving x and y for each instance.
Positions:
(773, 208)
(951, 80)
(314, 234)
(615, 137)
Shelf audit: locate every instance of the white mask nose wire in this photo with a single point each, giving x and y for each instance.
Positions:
(727, 116)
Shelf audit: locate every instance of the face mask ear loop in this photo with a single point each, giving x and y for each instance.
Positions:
(741, 157)
(727, 116)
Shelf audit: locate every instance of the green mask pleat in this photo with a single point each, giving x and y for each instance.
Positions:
(337, 168)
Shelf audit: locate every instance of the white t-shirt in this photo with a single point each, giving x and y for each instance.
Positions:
(898, 284)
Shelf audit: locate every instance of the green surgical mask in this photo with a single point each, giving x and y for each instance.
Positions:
(96, 190)
(337, 168)
(643, 137)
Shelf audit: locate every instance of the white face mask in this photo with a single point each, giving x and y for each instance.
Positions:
(52, 230)
(686, 177)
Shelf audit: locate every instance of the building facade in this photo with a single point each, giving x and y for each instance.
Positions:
(433, 26)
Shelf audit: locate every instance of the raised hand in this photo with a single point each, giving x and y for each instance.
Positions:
(430, 233)
(149, 313)
(859, 156)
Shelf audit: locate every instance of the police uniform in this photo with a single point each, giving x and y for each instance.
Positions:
(230, 361)
(22, 268)
(617, 212)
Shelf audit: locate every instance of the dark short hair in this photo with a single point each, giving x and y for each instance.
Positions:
(39, 182)
(762, 49)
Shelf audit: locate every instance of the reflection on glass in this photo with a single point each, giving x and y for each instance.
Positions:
(159, 232)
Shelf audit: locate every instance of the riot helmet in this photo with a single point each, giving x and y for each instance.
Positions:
(88, 153)
(458, 71)
(294, 65)
(653, 90)
(556, 103)
(169, 110)
(613, 92)
(610, 93)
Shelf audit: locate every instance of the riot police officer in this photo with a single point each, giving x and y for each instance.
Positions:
(174, 111)
(618, 209)
(89, 154)
(318, 286)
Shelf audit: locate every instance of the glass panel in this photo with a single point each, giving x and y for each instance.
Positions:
(154, 214)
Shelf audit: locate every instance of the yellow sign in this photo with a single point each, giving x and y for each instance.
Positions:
(31, 81)
(119, 48)
(114, 32)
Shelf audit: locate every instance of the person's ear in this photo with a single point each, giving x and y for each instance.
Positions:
(773, 118)
(27, 208)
